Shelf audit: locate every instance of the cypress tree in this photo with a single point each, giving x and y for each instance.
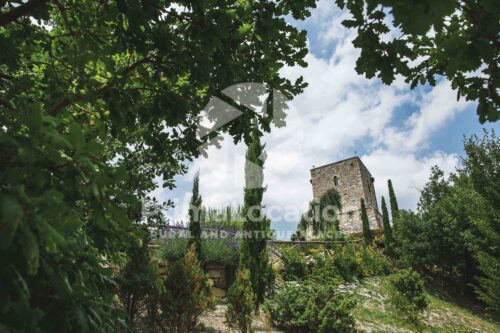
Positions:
(256, 225)
(388, 239)
(194, 217)
(367, 234)
(393, 202)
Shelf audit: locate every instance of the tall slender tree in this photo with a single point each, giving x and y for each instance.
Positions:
(367, 234)
(194, 217)
(254, 253)
(388, 239)
(393, 202)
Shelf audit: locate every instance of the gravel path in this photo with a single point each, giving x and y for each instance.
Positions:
(214, 322)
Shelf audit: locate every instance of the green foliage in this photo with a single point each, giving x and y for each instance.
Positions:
(393, 202)
(483, 165)
(173, 248)
(254, 255)
(186, 295)
(222, 250)
(406, 293)
(138, 283)
(456, 228)
(388, 238)
(225, 218)
(99, 99)
(489, 282)
(372, 263)
(322, 215)
(462, 46)
(367, 234)
(294, 263)
(312, 307)
(240, 303)
(346, 263)
(195, 217)
(443, 236)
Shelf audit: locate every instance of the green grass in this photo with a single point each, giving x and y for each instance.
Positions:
(441, 316)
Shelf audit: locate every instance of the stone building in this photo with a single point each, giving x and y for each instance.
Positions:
(353, 181)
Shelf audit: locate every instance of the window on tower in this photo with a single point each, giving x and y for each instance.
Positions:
(336, 180)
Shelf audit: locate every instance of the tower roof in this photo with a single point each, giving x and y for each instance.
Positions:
(343, 161)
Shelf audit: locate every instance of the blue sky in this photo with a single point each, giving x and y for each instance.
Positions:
(398, 133)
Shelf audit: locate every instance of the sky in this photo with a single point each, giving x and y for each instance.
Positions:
(398, 133)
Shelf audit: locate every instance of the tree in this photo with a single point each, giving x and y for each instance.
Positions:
(99, 99)
(367, 234)
(241, 301)
(254, 255)
(455, 229)
(454, 39)
(440, 238)
(322, 215)
(482, 164)
(388, 239)
(393, 202)
(186, 295)
(194, 217)
(138, 282)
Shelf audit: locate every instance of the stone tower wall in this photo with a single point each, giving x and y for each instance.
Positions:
(354, 182)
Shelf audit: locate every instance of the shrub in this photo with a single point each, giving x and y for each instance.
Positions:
(372, 263)
(186, 294)
(138, 283)
(221, 250)
(324, 270)
(174, 248)
(345, 261)
(217, 250)
(407, 293)
(240, 303)
(312, 307)
(294, 264)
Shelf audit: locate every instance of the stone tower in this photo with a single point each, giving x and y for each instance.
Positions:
(353, 181)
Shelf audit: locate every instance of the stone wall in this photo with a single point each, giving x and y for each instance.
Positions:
(353, 181)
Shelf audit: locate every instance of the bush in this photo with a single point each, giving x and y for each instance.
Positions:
(294, 264)
(214, 249)
(138, 283)
(224, 250)
(345, 261)
(312, 307)
(173, 249)
(407, 294)
(372, 263)
(186, 295)
(240, 303)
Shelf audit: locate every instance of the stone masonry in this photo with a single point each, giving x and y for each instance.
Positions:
(353, 181)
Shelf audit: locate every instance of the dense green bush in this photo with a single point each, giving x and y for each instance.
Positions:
(323, 269)
(173, 248)
(240, 303)
(345, 261)
(221, 250)
(407, 294)
(294, 264)
(138, 284)
(372, 263)
(214, 249)
(312, 307)
(227, 217)
(186, 295)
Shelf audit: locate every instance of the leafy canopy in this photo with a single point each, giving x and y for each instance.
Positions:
(427, 39)
(98, 99)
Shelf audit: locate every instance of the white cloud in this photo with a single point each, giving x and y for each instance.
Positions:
(407, 172)
(339, 112)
